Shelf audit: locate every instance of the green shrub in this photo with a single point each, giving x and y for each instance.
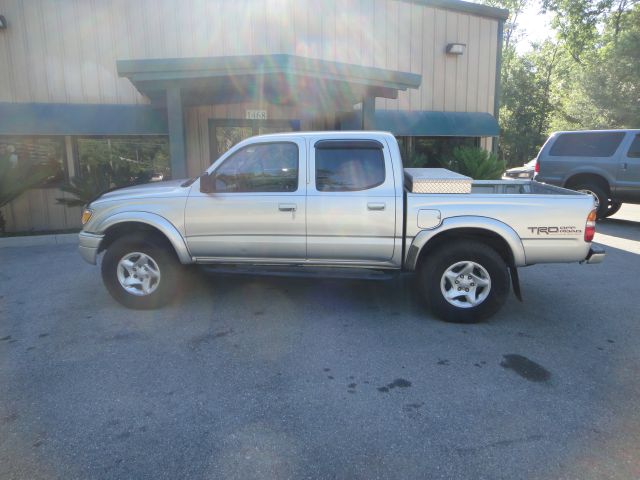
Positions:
(475, 163)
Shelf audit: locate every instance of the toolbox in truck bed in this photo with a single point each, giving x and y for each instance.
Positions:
(436, 180)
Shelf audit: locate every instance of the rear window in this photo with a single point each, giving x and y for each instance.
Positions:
(593, 144)
(349, 166)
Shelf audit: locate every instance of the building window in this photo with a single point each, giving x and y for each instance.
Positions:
(28, 152)
(431, 151)
(130, 159)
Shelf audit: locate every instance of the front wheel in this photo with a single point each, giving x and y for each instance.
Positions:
(139, 272)
(464, 282)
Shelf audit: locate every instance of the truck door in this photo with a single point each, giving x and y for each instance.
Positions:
(628, 179)
(350, 202)
(257, 211)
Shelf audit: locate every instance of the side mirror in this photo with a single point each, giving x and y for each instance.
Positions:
(208, 183)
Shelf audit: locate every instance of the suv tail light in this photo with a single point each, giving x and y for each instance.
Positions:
(537, 168)
(590, 227)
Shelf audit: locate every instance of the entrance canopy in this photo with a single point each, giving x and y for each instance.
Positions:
(428, 123)
(279, 79)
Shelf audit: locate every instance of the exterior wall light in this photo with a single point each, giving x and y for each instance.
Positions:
(3, 22)
(456, 48)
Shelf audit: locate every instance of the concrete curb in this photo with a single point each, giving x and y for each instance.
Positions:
(37, 240)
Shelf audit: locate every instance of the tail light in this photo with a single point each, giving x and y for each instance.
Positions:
(537, 167)
(590, 227)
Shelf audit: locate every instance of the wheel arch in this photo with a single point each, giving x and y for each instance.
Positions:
(586, 177)
(124, 224)
(499, 236)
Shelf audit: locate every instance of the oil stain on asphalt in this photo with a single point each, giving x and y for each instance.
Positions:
(398, 382)
(526, 368)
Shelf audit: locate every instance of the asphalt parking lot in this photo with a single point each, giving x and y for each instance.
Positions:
(301, 378)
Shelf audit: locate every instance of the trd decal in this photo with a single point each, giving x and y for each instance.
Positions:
(555, 230)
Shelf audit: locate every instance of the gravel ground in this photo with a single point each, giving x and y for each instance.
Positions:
(259, 377)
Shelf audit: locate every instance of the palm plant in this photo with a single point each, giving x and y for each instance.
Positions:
(16, 179)
(475, 163)
(99, 179)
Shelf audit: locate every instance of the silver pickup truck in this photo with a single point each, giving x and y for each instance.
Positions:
(337, 201)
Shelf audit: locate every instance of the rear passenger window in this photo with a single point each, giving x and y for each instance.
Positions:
(634, 149)
(347, 166)
(592, 144)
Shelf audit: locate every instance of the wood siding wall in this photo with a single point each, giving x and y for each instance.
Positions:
(65, 51)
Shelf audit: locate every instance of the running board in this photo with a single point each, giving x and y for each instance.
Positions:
(303, 272)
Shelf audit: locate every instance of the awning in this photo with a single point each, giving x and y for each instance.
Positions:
(80, 119)
(427, 123)
(280, 79)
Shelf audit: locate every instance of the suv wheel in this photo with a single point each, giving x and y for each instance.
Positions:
(464, 282)
(613, 208)
(599, 195)
(139, 272)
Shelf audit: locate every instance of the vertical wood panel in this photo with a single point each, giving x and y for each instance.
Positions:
(300, 29)
(428, 58)
(6, 83)
(450, 61)
(491, 61)
(404, 50)
(461, 80)
(328, 23)
(17, 57)
(415, 97)
(368, 33)
(34, 44)
(473, 49)
(440, 40)
(484, 67)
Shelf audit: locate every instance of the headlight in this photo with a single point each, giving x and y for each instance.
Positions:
(524, 175)
(86, 215)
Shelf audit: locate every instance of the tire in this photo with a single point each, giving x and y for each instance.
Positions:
(439, 270)
(143, 257)
(613, 208)
(601, 196)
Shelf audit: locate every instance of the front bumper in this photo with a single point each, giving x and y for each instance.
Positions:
(596, 254)
(89, 245)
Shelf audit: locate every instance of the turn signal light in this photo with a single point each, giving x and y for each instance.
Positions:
(86, 215)
(537, 167)
(590, 227)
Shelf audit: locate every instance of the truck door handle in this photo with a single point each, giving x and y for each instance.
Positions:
(287, 207)
(624, 166)
(376, 206)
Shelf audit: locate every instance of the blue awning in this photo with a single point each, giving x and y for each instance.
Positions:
(427, 123)
(80, 119)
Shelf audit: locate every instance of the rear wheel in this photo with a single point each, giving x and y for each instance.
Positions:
(140, 272)
(464, 282)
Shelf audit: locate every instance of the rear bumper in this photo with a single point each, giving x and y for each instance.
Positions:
(88, 246)
(596, 254)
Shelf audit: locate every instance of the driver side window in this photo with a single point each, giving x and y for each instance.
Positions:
(266, 167)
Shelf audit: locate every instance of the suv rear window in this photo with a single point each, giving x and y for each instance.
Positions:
(634, 149)
(348, 166)
(592, 144)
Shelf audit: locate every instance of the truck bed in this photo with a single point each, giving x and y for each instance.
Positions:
(548, 220)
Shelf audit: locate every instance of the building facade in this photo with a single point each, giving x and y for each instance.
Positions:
(163, 87)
